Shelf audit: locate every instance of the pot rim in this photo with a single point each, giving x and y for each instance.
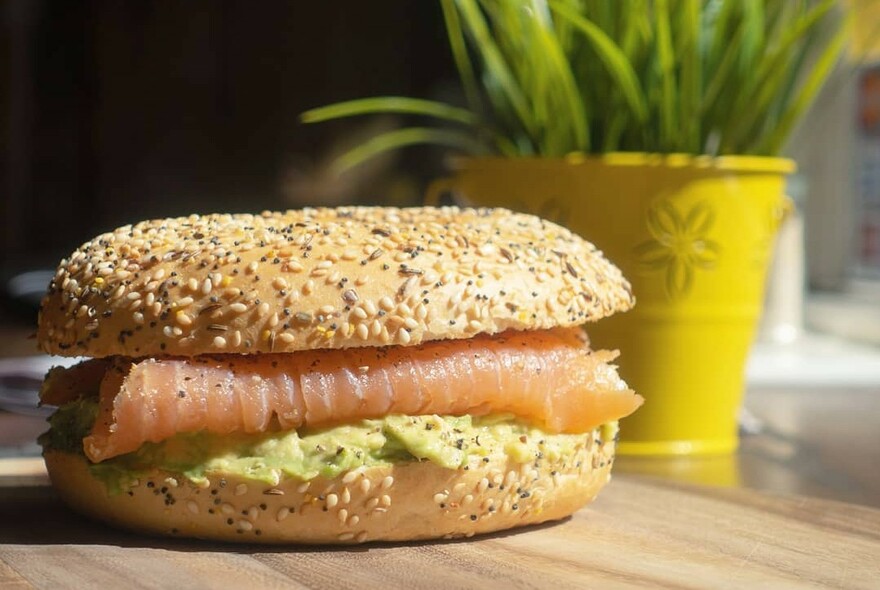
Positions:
(746, 164)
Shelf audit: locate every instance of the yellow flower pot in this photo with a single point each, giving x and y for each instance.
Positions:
(694, 236)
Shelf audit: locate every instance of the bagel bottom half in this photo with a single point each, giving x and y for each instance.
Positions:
(405, 501)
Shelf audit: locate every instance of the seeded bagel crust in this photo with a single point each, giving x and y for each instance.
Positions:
(407, 501)
(322, 278)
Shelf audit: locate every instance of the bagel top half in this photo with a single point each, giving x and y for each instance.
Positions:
(322, 278)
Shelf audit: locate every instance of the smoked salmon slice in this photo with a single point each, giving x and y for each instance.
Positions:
(550, 378)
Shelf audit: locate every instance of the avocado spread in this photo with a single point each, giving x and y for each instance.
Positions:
(448, 441)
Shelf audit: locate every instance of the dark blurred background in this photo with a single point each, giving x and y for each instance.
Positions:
(118, 111)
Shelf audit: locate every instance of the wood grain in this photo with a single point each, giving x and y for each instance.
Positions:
(641, 532)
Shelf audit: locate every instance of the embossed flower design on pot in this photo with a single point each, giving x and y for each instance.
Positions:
(679, 245)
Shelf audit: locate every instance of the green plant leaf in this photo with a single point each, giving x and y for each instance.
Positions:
(463, 63)
(546, 77)
(753, 41)
(561, 88)
(755, 104)
(501, 85)
(666, 63)
(615, 61)
(773, 143)
(399, 138)
(390, 105)
(688, 33)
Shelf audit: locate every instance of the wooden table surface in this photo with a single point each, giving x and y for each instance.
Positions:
(639, 533)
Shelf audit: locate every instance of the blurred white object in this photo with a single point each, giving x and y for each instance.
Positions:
(783, 319)
(854, 314)
(814, 360)
(20, 380)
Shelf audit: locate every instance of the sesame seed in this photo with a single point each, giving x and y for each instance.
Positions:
(184, 302)
(362, 331)
(350, 476)
(342, 515)
(241, 489)
(283, 513)
(385, 500)
(227, 509)
(370, 308)
(245, 525)
(371, 503)
(346, 536)
(387, 482)
(192, 507)
(301, 488)
(332, 500)
(354, 520)
(238, 307)
(361, 537)
(183, 319)
(219, 342)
